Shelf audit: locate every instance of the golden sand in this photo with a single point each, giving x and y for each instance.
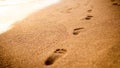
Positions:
(71, 34)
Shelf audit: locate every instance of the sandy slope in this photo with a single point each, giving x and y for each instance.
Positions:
(72, 34)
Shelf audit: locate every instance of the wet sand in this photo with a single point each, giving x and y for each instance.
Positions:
(71, 34)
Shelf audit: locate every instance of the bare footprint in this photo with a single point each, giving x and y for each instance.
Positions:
(90, 10)
(76, 31)
(69, 10)
(88, 17)
(58, 53)
(115, 3)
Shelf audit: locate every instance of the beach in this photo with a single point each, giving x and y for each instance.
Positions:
(68, 34)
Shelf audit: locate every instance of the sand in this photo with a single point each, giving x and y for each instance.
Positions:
(71, 34)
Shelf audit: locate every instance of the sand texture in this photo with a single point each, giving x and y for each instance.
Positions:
(70, 34)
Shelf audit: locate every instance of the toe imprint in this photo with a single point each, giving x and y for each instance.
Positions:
(62, 51)
(77, 31)
(56, 55)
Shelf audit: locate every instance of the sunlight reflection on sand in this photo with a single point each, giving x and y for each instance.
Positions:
(12, 11)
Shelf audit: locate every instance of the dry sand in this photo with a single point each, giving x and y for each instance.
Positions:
(71, 34)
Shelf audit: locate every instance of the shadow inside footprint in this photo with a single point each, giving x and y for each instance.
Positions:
(56, 55)
(88, 17)
(115, 3)
(90, 10)
(76, 31)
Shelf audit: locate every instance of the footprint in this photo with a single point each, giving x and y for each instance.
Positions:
(58, 53)
(69, 10)
(90, 10)
(76, 31)
(88, 17)
(115, 3)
